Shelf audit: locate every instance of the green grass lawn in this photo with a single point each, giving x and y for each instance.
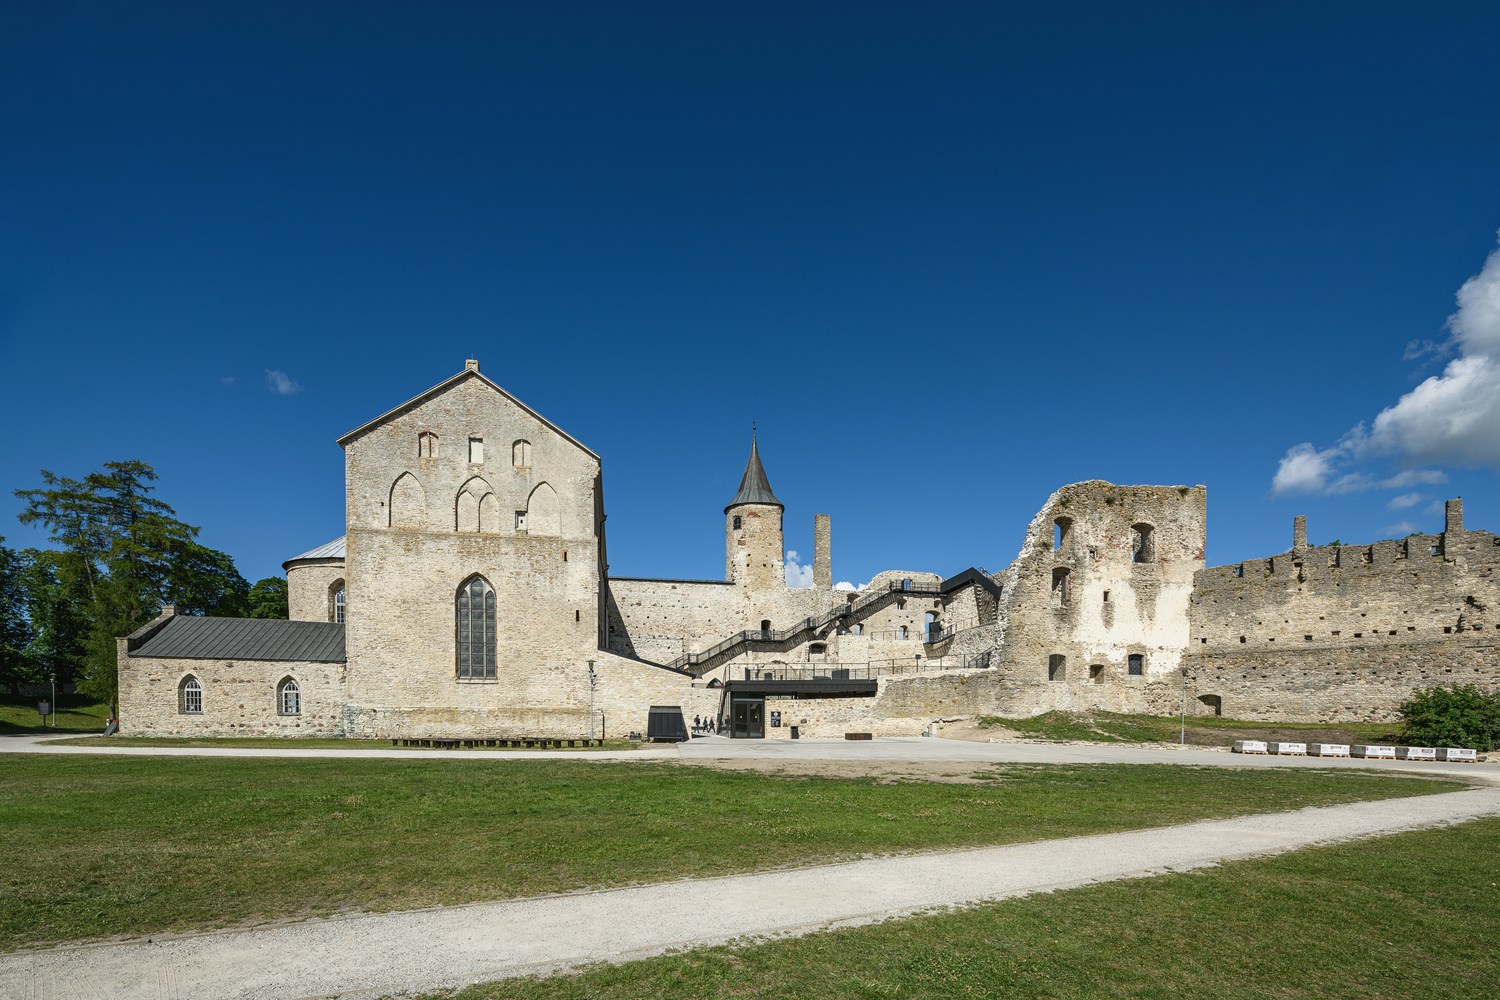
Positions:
(287, 743)
(1200, 730)
(101, 845)
(75, 714)
(1414, 916)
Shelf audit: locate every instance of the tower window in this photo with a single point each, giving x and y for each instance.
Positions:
(476, 450)
(736, 522)
(475, 610)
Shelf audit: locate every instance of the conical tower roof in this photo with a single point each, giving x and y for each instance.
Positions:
(754, 486)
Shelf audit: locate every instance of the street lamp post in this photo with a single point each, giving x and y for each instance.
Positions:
(593, 680)
(1182, 736)
(54, 700)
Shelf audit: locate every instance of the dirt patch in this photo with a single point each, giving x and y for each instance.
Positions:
(883, 772)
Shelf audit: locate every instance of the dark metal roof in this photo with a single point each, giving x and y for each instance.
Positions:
(970, 575)
(192, 637)
(754, 486)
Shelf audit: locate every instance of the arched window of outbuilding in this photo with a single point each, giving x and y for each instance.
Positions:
(190, 696)
(288, 698)
(474, 609)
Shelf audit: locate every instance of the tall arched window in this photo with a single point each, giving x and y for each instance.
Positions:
(475, 609)
(190, 697)
(288, 698)
(338, 605)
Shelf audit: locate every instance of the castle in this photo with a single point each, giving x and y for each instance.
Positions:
(470, 597)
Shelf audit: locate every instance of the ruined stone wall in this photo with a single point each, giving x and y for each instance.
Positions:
(1388, 592)
(309, 587)
(1334, 683)
(1104, 591)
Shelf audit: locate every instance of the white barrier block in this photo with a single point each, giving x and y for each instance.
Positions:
(1416, 753)
(1328, 749)
(1363, 751)
(1249, 746)
(1457, 754)
(1296, 749)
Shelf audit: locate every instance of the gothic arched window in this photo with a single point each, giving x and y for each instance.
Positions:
(288, 698)
(475, 609)
(190, 697)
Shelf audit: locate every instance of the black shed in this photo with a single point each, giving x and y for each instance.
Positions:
(665, 723)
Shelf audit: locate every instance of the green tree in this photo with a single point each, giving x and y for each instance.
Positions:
(268, 599)
(15, 627)
(57, 612)
(132, 554)
(1460, 716)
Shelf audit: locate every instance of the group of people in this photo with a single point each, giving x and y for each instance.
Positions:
(705, 725)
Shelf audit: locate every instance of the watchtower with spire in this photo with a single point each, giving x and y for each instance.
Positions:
(752, 530)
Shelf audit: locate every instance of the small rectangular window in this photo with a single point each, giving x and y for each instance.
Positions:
(1106, 597)
(520, 520)
(1057, 667)
(1137, 664)
(476, 450)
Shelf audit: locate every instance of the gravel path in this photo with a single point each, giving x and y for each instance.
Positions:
(368, 956)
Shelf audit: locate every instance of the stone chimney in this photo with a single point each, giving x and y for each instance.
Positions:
(822, 555)
(168, 611)
(471, 365)
(1453, 520)
(1299, 535)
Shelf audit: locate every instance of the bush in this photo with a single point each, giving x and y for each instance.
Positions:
(1460, 716)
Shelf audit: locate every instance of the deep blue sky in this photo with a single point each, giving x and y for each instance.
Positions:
(949, 257)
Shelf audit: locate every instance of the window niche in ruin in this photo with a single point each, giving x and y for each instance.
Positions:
(1143, 543)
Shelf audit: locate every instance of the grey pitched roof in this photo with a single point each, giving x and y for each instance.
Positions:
(328, 550)
(192, 637)
(754, 487)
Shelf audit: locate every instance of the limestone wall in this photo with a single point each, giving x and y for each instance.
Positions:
(1326, 683)
(1102, 591)
(1392, 591)
(239, 697)
(310, 584)
(502, 494)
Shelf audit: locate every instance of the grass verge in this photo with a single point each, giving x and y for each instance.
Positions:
(1106, 727)
(1413, 916)
(75, 714)
(101, 846)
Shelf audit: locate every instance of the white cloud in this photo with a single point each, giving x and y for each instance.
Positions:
(1436, 507)
(1453, 417)
(1400, 529)
(797, 576)
(227, 380)
(281, 383)
(844, 585)
(1404, 500)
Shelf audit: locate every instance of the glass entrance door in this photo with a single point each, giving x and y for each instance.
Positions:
(749, 719)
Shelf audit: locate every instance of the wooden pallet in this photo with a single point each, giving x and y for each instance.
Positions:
(1263, 753)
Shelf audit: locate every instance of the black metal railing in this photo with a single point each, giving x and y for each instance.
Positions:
(863, 671)
(897, 588)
